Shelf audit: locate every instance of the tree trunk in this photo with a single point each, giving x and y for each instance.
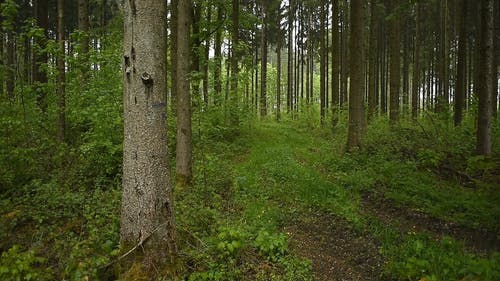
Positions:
(372, 90)
(486, 75)
(234, 63)
(206, 55)
(289, 102)
(278, 83)
(40, 56)
(83, 26)
(322, 54)
(1, 60)
(335, 60)
(394, 64)
(184, 148)
(461, 65)
(496, 60)
(195, 49)
(416, 66)
(357, 88)
(218, 57)
(174, 22)
(61, 76)
(147, 202)
(11, 65)
(263, 70)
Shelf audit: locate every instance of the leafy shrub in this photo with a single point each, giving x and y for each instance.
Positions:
(271, 245)
(22, 266)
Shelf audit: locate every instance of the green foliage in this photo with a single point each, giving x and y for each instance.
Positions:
(22, 266)
(272, 246)
(420, 257)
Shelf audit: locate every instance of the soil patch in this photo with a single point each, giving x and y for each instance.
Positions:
(337, 252)
(480, 241)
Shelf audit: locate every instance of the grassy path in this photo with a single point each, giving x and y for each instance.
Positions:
(288, 182)
(319, 215)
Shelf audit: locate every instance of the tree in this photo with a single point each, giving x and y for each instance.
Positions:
(416, 65)
(218, 56)
(173, 54)
(322, 63)
(461, 66)
(184, 148)
(263, 63)
(83, 25)
(40, 56)
(335, 61)
(61, 74)
(394, 63)
(147, 203)
(484, 144)
(234, 62)
(357, 88)
(372, 89)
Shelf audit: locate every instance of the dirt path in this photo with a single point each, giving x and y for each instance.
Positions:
(479, 241)
(337, 252)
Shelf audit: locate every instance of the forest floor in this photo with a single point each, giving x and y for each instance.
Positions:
(276, 201)
(341, 227)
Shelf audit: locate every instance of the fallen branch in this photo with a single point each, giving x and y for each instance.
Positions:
(140, 244)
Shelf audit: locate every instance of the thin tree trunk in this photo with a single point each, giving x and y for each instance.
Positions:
(322, 62)
(184, 147)
(11, 65)
(234, 63)
(173, 54)
(372, 90)
(461, 67)
(195, 49)
(395, 65)
(61, 76)
(206, 55)
(416, 66)
(335, 59)
(83, 26)
(278, 82)
(147, 217)
(263, 71)
(218, 57)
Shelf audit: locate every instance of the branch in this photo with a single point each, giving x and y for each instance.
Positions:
(143, 240)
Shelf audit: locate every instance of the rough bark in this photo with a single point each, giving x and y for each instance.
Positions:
(147, 202)
(61, 74)
(357, 88)
(184, 147)
(484, 121)
(335, 61)
(394, 64)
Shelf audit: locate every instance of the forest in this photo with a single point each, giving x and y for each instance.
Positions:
(227, 140)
